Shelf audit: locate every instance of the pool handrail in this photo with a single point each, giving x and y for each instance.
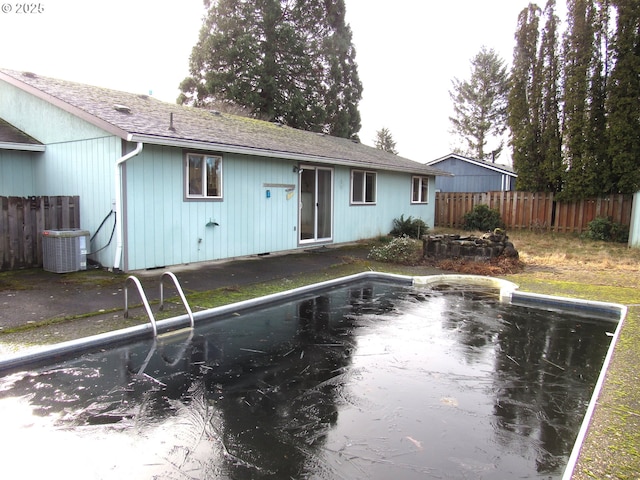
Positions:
(145, 302)
(180, 292)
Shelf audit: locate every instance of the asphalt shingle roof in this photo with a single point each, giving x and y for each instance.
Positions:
(12, 137)
(143, 118)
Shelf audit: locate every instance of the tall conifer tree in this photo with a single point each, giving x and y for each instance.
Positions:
(285, 61)
(344, 89)
(480, 104)
(578, 60)
(384, 141)
(522, 102)
(599, 99)
(550, 142)
(602, 180)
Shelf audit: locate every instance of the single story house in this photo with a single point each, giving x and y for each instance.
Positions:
(472, 175)
(187, 185)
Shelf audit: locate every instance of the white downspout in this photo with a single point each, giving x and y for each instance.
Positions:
(118, 204)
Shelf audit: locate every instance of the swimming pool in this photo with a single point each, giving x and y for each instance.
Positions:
(365, 377)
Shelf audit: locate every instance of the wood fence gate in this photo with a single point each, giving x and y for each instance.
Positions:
(22, 221)
(533, 211)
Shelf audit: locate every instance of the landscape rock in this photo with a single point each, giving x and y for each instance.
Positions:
(469, 247)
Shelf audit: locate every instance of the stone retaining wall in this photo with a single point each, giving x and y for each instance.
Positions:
(490, 245)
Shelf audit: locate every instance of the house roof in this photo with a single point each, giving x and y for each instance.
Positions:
(12, 138)
(482, 163)
(141, 118)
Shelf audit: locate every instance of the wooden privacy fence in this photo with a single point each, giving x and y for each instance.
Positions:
(22, 221)
(533, 211)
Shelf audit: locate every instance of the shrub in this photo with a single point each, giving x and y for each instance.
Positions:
(606, 230)
(401, 249)
(411, 227)
(483, 218)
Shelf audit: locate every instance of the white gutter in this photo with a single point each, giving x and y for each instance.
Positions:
(28, 147)
(118, 203)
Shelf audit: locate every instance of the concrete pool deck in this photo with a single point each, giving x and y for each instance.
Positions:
(29, 297)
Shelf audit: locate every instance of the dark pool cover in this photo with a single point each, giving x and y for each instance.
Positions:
(370, 381)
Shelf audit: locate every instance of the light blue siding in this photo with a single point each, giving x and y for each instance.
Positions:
(85, 168)
(17, 177)
(356, 222)
(163, 229)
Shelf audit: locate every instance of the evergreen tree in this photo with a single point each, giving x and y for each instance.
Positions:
(579, 51)
(384, 141)
(285, 61)
(344, 89)
(550, 143)
(599, 98)
(480, 104)
(597, 140)
(623, 102)
(534, 104)
(523, 103)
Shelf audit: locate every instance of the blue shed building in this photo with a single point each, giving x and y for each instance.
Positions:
(471, 175)
(189, 185)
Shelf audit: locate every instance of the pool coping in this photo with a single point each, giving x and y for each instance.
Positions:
(508, 293)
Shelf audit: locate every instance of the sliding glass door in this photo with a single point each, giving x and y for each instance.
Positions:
(316, 204)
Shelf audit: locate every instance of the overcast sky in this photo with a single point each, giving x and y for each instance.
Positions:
(407, 51)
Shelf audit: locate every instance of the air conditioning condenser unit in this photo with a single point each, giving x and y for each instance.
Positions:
(65, 251)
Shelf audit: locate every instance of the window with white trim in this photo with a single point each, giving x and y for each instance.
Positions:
(203, 176)
(363, 187)
(420, 189)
